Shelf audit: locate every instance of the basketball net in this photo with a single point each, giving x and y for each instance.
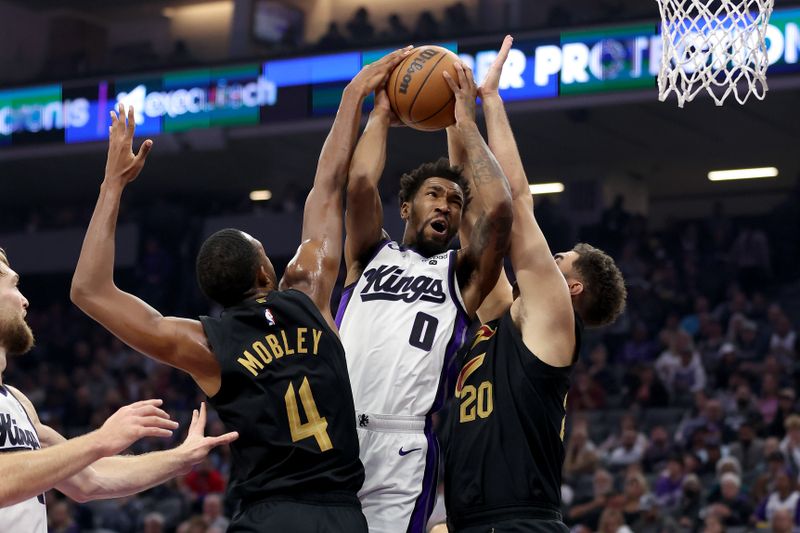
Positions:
(716, 45)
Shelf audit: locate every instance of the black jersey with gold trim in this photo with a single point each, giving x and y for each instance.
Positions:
(505, 452)
(286, 390)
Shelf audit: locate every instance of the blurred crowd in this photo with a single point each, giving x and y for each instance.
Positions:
(682, 416)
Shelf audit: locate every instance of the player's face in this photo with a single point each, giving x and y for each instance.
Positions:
(565, 262)
(435, 214)
(16, 336)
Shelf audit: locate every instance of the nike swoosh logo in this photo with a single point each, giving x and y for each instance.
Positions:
(406, 452)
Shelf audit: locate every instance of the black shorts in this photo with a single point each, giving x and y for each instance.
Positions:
(517, 525)
(283, 516)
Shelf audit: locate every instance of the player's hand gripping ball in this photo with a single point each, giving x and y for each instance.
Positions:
(419, 94)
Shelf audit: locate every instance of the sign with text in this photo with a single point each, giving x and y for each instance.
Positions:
(576, 62)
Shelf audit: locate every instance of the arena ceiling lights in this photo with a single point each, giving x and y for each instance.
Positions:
(260, 195)
(743, 174)
(546, 188)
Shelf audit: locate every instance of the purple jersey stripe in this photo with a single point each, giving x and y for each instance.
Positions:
(347, 293)
(427, 497)
(449, 362)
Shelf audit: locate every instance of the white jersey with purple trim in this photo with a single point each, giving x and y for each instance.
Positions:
(401, 324)
(17, 433)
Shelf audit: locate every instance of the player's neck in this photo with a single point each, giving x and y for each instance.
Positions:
(2, 363)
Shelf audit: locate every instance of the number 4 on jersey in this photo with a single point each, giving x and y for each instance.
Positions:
(315, 427)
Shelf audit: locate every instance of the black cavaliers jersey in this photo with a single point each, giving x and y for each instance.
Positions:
(285, 389)
(506, 450)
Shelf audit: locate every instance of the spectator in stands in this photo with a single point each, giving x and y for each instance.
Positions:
(690, 502)
(587, 511)
(59, 518)
(783, 521)
(456, 20)
(669, 485)
(644, 389)
(768, 398)
(652, 519)
(740, 409)
(732, 506)
(786, 406)
(427, 28)
(599, 369)
(360, 28)
(765, 483)
(581, 455)
(748, 448)
(626, 421)
(639, 348)
(333, 38)
(630, 450)
(397, 32)
(195, 524)
(585, 393)
(785, 496)
(659, 451)
(790, 445)
(710, 341)
(153, 523)
(691, 322)
(212, 512)
(751, 258)
(784, 339)
(203, 479)
(681, 370)
(635, 487)
(613, 521)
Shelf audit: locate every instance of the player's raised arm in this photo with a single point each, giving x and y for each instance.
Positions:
(364, 216)
(480, 263)
(316, 264)
(544, 292)
(177, 342)
(499, 299)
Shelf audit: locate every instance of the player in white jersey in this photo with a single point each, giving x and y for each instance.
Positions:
(405, 308)
(34, 458)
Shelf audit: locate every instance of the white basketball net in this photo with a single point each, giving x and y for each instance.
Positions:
(716, 45)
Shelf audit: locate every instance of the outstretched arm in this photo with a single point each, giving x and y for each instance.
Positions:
(548, 321)
(480, 263)
(27, 474)
(499, 299)
(364, 215)
(177, 342)
(123, 475)
(315, 266)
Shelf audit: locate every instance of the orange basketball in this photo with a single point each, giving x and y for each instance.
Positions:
(419, 94)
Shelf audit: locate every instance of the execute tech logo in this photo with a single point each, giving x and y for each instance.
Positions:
(12, 436)
(387, 283)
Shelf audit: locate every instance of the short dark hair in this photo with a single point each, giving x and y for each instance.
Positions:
(227, 264)
(410, 182)
(604, 290)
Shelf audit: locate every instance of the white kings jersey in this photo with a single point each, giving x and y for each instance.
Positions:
(401, 324)
(17, 433)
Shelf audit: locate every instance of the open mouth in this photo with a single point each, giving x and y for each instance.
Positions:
(439, 226)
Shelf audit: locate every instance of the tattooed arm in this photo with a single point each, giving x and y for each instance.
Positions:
(479, 263)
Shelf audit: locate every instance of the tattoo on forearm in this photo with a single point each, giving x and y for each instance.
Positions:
(486, 229)
(482, 164)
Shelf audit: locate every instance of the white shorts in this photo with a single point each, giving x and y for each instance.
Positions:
(401, 463)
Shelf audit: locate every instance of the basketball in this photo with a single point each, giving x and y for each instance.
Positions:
(419, 94)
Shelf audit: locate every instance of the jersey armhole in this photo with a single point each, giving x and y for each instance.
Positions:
(455, 290)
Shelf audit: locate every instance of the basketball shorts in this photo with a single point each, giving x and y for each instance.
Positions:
(279, 516)
(401, 463)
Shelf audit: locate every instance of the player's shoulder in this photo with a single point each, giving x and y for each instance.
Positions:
(24, 400)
